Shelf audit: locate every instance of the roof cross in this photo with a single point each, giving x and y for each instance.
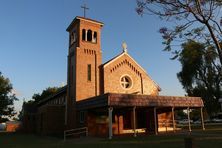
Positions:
(124, 46)
(84, 9)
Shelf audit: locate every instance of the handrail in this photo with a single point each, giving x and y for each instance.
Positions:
(73, 132)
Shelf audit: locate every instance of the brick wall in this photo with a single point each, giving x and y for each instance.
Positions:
(141, 82)
(51, 119)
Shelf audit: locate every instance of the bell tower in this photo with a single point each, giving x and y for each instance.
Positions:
(84, 59)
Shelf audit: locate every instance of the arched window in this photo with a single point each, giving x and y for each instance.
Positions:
(83, 34)
(73, 37)
(94, 37)
(89, 35)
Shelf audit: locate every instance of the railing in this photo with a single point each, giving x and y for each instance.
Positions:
(76, 131)
(167, 125)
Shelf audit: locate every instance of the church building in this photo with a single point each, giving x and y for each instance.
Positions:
(112, 98)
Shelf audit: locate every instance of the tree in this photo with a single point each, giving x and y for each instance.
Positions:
(200, 75)
(7, 98)
(30, 107)
(45, 93)
(197, 24)
(196, 19)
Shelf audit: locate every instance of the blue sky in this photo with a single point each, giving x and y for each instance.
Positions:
(34, 43)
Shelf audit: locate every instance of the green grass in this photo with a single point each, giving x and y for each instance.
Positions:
(202, 139)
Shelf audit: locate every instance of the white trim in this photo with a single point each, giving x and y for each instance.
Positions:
(125, 53)
(113, 60)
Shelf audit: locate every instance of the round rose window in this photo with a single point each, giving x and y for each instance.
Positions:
(126, 82)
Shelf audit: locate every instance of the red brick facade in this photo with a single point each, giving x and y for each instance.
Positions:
(89, 83)
(125, 65)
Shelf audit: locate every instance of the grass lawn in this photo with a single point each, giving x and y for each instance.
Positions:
(211, 138)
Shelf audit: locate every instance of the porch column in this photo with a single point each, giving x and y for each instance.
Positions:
(155, 121)
(188, 117)
(110, 109)
(202, 120)
(173, 119)
(134, 121)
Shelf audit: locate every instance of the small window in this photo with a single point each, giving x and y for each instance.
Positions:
(89, 35)
(81, 116)
(83, 34)
(89, 72)
(94, 37)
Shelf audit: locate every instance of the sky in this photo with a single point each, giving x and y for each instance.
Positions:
(34, 42)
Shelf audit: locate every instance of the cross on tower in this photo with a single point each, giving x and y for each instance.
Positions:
(84, 9)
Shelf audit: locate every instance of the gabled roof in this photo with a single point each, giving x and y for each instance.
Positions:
(113, 59)
(125, 53)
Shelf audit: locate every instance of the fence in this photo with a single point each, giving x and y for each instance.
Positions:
(76, 131)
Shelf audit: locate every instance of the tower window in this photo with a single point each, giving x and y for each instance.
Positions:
(84, 34)
(89, 35)
(94, 37)
(89, 72)
(73, 37)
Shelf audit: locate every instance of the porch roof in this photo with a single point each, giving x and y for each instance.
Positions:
(128, 100)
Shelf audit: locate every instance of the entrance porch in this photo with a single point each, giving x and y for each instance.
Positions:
(115, 114)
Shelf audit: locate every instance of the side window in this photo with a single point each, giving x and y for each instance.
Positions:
(89, 72)
(83, 34)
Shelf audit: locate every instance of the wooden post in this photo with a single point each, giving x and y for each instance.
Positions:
(173, 119)
(202, 120)
(188, 116)
(155, 121)
(110, 110)
(66, 110)
(134, 121)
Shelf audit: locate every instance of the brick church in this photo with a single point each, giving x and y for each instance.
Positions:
(112, 98)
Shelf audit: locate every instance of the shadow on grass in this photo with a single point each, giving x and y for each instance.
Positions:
(202, 139)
